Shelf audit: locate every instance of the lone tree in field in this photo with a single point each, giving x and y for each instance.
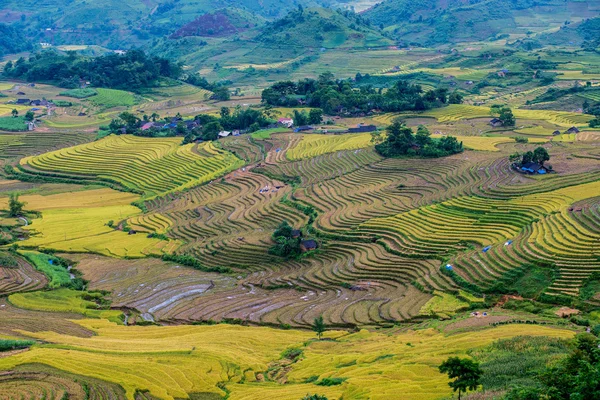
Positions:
(319, 326)
(504, 114)
(507, 117)
(15, 207)
(15, 113)
(466, 374)
(540, 155)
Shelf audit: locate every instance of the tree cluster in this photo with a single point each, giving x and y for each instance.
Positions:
(402, 141)
(12, 40)
(345, 97)
(286, 245)
(504, 114)
(202, 126)
(132, 70)
(539, 155)
(577, 377)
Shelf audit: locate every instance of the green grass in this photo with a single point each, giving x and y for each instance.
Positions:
(266, 133)
(591, 287)
(7, 344)
(516, 361)
(89, 304)
(534, 282)
(57, 274)
(79, 93)
(113, 98)
(13, 124)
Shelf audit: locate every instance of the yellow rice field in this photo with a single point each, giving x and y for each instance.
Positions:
(77, 222)
(149, 165)
(174, 361)
(314, 145)
(457, 112)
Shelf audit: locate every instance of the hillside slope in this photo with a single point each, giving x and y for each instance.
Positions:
(432, 22)
(122, 23)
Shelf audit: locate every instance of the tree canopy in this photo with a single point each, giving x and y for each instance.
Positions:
(401, 141)
(345, 96)
(132, 70)
(465, 372)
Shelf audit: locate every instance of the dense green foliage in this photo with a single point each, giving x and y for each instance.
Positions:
(401, 141)
(345, 97)
(13, 124)
(56, 269)
(132, 70)
(465, 372)
(286, 245)
(539, 155)
(12, 40)
(15, 207)
(576, 377)
(517, 361)
(7, 344)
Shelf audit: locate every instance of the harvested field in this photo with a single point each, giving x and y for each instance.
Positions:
(20, 278)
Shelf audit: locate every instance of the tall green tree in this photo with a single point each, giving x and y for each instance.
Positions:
(540, 155)
(15, 207)
(507, 117)
(315, 116)
(319, 326)
(465, 372)
(15, 113)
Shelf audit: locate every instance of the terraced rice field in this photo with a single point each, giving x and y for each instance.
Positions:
(21, 278)
(435, 230)
(314, 145)
(457, 112)
(152, 167)
(78, 222)
(483, 143)
(373, 365)
(567, 239)
(113, 98)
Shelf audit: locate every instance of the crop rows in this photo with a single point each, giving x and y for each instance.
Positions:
(151, 166)
(315, 145)
(457, 112)
(38, 381)
(19, 145)
(22, 278)
(568, 239)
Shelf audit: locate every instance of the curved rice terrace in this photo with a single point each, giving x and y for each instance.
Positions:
(151, 167)
(407, 248)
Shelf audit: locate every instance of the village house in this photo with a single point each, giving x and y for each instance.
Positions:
(363, 128)
(286, 122)
(496, 123)
(533, 168)
(572, 130)
(224, 134)
(308, 245)
(303, 128)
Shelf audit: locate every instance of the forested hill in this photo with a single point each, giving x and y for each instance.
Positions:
(12, 40)
(432, 22)
(585, 34)
(322, 27)
(121, 24)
